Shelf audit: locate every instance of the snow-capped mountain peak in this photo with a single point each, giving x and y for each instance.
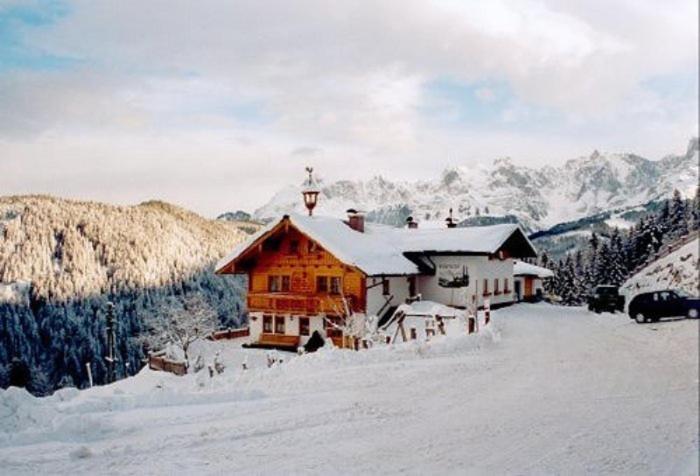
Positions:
(538, 197)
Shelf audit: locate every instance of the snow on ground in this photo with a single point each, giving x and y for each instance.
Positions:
(678, 270)
(543, 389)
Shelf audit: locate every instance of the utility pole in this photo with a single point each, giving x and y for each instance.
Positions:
(111, 376)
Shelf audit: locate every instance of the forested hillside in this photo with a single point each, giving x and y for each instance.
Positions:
(61, 261)
(616, 256)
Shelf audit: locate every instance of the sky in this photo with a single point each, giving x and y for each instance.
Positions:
(215, 105)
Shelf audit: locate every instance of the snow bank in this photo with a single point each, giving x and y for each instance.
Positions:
(83, 416)
(678, 270)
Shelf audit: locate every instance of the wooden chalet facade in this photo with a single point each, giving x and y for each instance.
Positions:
(295, 285)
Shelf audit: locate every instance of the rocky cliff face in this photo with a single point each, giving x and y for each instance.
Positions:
(538, 197)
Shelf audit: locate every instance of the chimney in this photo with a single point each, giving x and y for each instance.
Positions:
(356, 220)
(451, 221)
(411, 223)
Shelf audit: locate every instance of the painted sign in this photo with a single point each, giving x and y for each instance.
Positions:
(453, 275)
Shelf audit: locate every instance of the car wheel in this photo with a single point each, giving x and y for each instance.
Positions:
(640, 318)
(692, 313)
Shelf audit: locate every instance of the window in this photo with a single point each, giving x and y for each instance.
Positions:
(279, 324)
(276, 284)
(321, 284)
(335, 285)
(273, 284)
(412, 286)
(506, 288)
(496, 289)
(385, 287)
(303, 326)
(486, 287)
(267, 324)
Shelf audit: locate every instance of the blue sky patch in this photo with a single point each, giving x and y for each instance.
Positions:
(16, 25)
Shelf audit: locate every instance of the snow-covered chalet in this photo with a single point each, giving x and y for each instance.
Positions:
(304, 272)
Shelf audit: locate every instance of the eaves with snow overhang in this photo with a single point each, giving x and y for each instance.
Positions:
(386, 251)
(372, 254)
(521, 268)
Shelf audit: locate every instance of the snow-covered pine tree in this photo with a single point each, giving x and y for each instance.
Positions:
(678, 218)
(617, 271)
(570, 292)
(695, 211)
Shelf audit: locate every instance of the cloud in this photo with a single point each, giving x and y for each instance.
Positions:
(400, 86)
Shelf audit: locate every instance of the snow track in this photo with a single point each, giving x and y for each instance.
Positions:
(547, 390)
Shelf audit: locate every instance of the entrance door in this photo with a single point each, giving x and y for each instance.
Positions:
(517, 288)
(528, 286)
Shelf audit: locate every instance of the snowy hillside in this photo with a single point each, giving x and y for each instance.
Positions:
(542, 390)
(678, 270)
(62, 260)
(539, 198)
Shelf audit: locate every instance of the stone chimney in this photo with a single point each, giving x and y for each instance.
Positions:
(356, 220)
(411, 223)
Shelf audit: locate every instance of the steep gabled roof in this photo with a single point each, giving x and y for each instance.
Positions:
(373, 254)
(382, 250)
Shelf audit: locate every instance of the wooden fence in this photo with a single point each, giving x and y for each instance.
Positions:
(230, 334)
(157, 361)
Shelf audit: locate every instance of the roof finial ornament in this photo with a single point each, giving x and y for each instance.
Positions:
(310, 191)
(450, 220)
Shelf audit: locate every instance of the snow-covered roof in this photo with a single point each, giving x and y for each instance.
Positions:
(372, 253)
(474, 239)
(428, 309)
(521, 268)
(380, 250)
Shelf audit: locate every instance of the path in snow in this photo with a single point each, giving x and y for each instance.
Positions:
(559, 391)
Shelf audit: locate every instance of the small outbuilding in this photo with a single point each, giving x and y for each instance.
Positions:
(528, 281)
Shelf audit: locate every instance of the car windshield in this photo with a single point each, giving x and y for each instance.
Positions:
(681, 293)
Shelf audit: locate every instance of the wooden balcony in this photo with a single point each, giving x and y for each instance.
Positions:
(297, 304)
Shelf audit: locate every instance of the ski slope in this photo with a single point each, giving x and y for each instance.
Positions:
(542, 390)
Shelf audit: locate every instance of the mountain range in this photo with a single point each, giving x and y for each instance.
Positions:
(537, 197)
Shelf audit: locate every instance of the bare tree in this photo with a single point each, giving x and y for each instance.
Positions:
(352, 324)
(184, 323)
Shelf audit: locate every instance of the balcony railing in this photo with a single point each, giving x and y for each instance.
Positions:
(298, 304)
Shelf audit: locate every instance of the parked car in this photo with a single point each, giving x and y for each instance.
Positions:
(653, 306)
(606, 298)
